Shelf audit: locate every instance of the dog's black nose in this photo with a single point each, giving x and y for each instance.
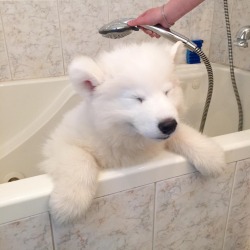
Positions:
(167, 126)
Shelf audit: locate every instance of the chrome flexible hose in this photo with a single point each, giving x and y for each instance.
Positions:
(231, 64)
(210, 87)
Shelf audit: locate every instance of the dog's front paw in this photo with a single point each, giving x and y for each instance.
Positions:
(210, 160)
(202, 152)
(68, 206)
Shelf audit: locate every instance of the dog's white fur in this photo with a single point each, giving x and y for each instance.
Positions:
(126, 93)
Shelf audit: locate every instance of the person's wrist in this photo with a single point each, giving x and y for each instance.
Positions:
(166, 22)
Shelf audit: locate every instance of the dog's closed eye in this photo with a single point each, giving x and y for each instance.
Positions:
(139, 99)
(166, 92)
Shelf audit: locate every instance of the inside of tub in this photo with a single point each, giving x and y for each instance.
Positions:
(30, 110)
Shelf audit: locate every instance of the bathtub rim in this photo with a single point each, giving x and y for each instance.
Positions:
(29, 197)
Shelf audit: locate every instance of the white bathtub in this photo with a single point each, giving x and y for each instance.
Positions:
(30, 109)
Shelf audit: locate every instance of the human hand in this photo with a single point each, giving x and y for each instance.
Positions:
(152, 16)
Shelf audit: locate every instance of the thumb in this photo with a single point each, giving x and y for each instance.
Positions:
(133, 22)
(149, 17)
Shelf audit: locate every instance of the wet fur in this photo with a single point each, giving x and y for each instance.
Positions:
(112, 128)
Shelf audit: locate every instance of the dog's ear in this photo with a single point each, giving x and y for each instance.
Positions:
(85, 75)
(175, 49)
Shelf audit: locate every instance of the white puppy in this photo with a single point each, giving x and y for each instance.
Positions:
(130, 112)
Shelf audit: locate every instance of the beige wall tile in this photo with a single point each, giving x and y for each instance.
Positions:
(218, 44)
(130, 9)
(33, 38)
(201, 19)
(41, 44)
(4, 63)
(181, 26)
(196, 24)
(80, 21)
(240, 18)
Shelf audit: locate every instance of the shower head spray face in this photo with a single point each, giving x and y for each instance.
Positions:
(117, 29)
(116, 34)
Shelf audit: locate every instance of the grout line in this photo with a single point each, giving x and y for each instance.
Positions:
(6, 48)
(211, 32)
(229, 205)
(146, 184)
(153, 229)
(61, 38)
(52, 232)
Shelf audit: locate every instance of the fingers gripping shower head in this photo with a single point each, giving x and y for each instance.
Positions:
(120, 28)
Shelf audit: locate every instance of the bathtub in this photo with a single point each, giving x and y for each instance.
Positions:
(30, 109)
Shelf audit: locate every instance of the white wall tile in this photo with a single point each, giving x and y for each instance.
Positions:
(238, 229)
(119, 221)
(191, 211)
(27, 234)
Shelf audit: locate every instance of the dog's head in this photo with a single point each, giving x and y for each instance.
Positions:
(132, 89)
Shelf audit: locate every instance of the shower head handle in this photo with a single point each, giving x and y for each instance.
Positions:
(171, 35)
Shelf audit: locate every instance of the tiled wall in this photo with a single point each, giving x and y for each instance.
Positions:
(188, 212)
(38, 38)
(239, 11)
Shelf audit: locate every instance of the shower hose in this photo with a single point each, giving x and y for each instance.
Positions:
(210, 87)
(231, 64)
(210, 76)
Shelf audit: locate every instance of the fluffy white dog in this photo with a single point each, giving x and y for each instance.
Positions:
(130, 112)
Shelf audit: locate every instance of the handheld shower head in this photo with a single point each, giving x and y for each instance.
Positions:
(120, 28)
(117, 29)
